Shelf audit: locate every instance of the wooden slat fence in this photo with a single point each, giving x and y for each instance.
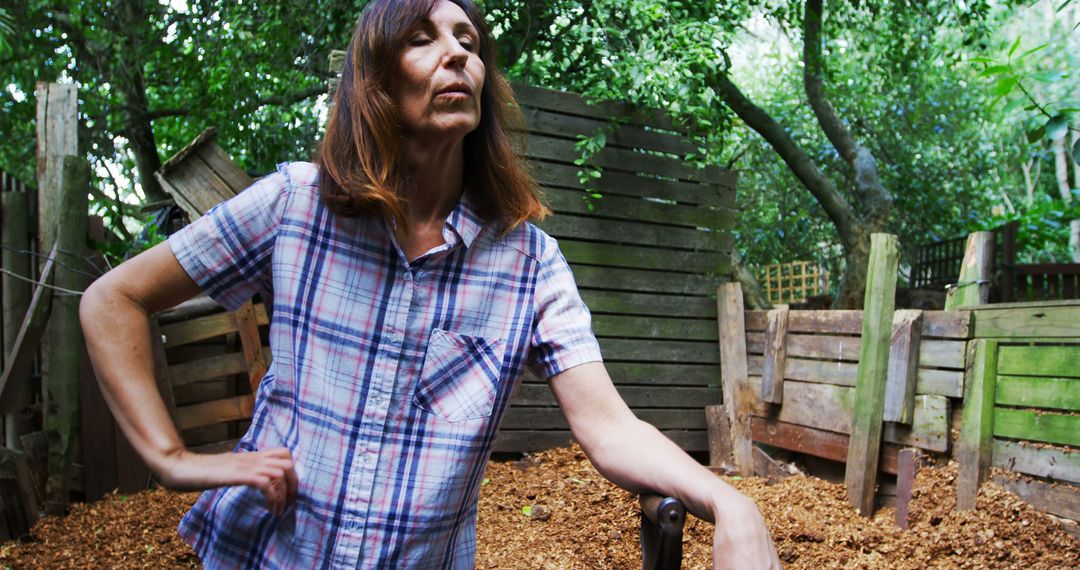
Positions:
(1027, 419)
(648, 243)
(819, 369)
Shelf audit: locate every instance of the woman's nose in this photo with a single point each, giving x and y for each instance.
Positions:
(456, 55)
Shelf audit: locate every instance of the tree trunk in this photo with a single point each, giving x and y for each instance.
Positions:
(139, 130)
(753, 296)
(1061, 169)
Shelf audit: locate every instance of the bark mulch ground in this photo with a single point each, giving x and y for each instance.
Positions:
(552, 510)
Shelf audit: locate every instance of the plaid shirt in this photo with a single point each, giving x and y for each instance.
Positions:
(389, 377)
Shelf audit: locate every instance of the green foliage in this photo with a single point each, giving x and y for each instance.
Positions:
(1044, 227)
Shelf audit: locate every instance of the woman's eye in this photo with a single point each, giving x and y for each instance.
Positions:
(419, 40)
(467, 43)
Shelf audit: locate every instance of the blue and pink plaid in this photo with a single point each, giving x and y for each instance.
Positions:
(389, 377)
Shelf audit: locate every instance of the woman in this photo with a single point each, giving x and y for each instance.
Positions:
(408, 294)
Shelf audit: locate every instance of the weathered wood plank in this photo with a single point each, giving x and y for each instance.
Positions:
(932, 353)
(628, 303)
(908, 467)
(634, 280)
(644, 350)
(546, 148)
(830, 407)
(1036, 392)
(60, 387)
(615, 183)
(16, 291)
(930, 380)
(660, 374)
(976, 430)
(215, 412)
(718, 425)
(214, 157)
(258, 360)
(208, 369)
(1057, 464)
(545, 122)
(1045, 321)
(526, 418)
(772, 370)
(812, 441)
(694, 398)
(571, 103)
(903, 366)
(17, 365)
(737, 391)
(653, 327)
(860, 476)
(1063, 361)
(640, 257)
(1062, 500)
(635, 233)
(636, 209)
(973, 285)
(936, 324)
(210, 326)
(1047, 427)
(57, 137)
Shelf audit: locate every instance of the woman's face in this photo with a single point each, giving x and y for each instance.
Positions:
(439, 77)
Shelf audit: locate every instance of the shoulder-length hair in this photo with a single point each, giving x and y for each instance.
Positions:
(360, 162)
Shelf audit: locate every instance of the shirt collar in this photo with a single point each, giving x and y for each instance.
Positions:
(464, 220)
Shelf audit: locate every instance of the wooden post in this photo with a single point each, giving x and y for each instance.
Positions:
(1007, 262)
(879, 302)
(16, 300)
(17, 366)
(258, 360)
(57, 132)
(908, 469)
(738, 395)
(977, 426)
(772, 371)
(716, 420)
(61, 388)
(903, 366)
(1074, 239)
(973, 285)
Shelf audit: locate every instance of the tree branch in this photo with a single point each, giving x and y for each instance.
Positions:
(836, 207)
(875, 202)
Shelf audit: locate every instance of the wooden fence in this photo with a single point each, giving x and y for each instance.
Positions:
(937, 264)
(1005, 377)
(1021, 406)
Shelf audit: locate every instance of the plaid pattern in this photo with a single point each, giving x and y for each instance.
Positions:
(389, 378)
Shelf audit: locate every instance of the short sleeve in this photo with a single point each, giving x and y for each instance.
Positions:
(229, 251)
(562, 336)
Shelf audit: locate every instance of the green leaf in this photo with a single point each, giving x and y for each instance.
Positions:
(526, 510)
(1057, 126)
(1032, 50)
(1004, 86)
(1035, 135)
(1015, 45)
(994, 70)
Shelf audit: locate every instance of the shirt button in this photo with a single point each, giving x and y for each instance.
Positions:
(406, 276)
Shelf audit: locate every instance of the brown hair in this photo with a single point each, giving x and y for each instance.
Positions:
(359, 159)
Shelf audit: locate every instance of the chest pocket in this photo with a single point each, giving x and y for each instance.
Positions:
(460, 377)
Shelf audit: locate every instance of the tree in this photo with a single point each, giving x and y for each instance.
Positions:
(151, 76)
(675, 55)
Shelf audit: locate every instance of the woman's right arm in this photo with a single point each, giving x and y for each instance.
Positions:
(115, 314)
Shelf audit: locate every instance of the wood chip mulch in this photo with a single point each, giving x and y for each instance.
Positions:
(552, 510)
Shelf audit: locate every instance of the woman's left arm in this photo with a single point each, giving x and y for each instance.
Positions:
(637, 457)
